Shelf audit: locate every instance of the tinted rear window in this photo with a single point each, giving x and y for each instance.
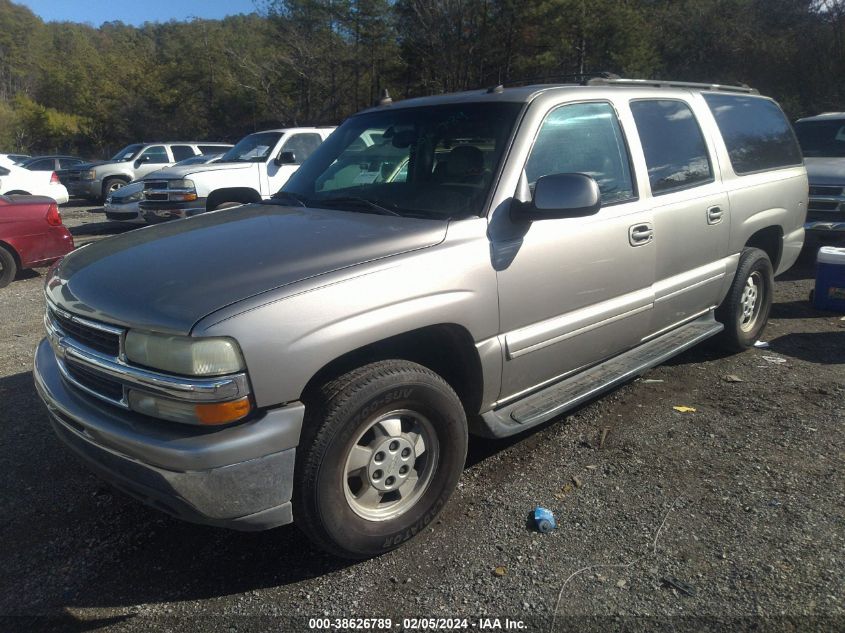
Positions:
(675, 151)
(756, 132)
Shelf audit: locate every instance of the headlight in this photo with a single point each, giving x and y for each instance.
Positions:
(184, 355)
(89, 174)
(182, 190)
(135, 197)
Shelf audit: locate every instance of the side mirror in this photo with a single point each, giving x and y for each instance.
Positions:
(560, 196)
(286, 158)
(141, 160)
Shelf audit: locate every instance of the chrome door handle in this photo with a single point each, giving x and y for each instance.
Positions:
(714, 215)
(640, 234)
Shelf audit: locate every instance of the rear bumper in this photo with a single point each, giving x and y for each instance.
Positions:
(238, 477)
(44, 249)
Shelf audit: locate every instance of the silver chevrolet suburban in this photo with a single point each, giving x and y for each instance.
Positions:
(478, 262)
(96, 181)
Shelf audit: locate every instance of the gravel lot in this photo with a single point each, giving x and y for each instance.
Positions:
(740, 503)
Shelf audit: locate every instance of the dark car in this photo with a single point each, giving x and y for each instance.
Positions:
(51, 163)
(31, 234)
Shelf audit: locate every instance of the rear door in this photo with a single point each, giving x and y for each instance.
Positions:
(689, 207)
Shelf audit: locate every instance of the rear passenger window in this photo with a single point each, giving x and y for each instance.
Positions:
(181, 152)
(675, 151)
(756, 132)
(583, 138)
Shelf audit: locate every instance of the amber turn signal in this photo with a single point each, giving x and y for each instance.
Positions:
(223, 412)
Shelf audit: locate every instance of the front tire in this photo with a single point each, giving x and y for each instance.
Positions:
(382, 450)
(8, 267)
(110, 185)
(745, 311)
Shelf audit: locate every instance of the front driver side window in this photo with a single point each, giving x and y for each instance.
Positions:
(302, 145)
(584, 138)
(155, 155)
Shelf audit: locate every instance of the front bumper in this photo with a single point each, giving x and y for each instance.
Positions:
(238, 477)
(84, 188)
(825, 226)
(155, 212)
(129, 213)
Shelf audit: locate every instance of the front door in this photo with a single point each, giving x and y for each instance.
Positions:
(575, 291)
(150, 160)
(300, 145)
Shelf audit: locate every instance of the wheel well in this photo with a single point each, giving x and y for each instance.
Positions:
(769, 240)
(15, 256)
(235, 194)
(447, 349)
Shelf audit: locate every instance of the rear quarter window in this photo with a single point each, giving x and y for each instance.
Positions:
(756, 132)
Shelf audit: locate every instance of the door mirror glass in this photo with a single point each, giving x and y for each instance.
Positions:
(561, 196)
(286, 158)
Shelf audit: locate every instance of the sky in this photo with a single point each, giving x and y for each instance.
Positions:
(134, 12)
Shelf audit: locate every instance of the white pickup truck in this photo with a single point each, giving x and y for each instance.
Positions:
(251, 171)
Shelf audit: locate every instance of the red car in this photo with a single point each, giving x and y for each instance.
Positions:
(31, 234)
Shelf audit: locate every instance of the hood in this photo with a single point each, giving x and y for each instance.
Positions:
(177, 173)
(169, 276)
(825, 171)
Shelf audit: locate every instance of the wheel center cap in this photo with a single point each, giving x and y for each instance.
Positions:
(391, 463)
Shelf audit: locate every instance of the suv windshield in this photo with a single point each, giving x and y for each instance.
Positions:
(434, 161)
(822, 138)
(128, 153)
(254, 148)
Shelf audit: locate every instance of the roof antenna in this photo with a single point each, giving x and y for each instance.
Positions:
(495, 89)
(386, 99)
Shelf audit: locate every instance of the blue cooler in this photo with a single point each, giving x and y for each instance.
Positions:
(830, 279)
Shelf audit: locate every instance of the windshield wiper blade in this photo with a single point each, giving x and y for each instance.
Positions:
(355, 203)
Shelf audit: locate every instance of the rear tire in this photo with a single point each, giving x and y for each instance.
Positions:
(8, 267)
(382, 450)
(745, 311)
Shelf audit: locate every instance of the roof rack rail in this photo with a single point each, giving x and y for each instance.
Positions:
(574, 78)
(659, 83)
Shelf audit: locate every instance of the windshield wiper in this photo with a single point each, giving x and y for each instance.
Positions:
(352, 204)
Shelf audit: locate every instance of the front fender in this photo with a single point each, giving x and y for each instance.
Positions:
(287, 341)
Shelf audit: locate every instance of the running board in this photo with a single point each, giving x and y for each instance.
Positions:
(571, 392)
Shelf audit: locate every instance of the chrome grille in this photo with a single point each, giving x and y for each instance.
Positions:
(817, 190)
(156, 190)
(69, 176)
(106, 341)
(823, 205)
(95, 382)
